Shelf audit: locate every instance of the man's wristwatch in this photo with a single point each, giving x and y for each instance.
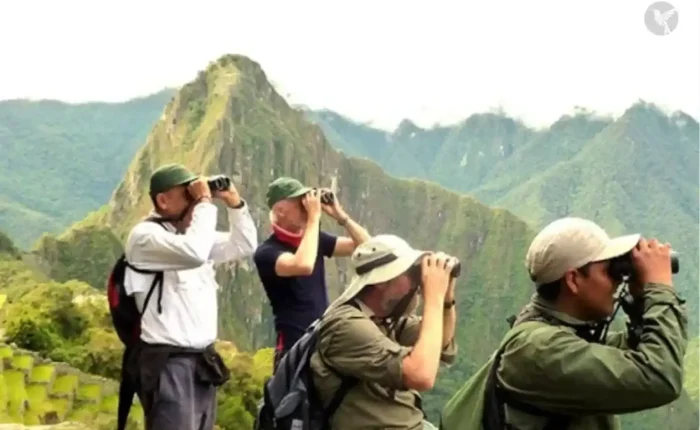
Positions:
(240, 204)
(448, 304)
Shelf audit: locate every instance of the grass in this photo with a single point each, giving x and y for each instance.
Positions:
(37, 394)
(31, 403)
(5, 352)
(3, 394)
(42, 373)
(62, 407)
(65, 384)
(84, 413)
(90, 392)
(23, 362)
(110, 403)
(14, 384)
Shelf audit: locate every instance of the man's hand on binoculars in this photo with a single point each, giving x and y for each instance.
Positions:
(230, 196)
(334, 210)
(652, 262)
(435, 270)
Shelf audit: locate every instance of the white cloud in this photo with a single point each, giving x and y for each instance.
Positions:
(382, 61)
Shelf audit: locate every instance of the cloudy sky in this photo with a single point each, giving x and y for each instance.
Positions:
(377, 61)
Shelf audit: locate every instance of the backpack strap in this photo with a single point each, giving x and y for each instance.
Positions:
(496, 396)
(157, 280)
(345, 387)
(503, 397)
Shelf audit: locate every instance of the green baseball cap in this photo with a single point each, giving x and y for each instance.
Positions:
(284, 188)
(169, 176)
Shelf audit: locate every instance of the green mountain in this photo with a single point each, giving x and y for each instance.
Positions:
(638, 173)
(230, 120)
(63, 160)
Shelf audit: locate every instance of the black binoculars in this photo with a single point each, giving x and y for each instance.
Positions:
(219, 183)
(622, 267)
(416, 274)
(327, 197)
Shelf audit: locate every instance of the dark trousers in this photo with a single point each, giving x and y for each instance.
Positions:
(180, 402)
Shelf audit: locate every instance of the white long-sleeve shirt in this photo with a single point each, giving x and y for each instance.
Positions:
(189, 303)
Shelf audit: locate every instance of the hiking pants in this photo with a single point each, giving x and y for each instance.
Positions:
(179, 402)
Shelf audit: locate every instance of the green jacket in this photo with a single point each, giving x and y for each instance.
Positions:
(547, 365)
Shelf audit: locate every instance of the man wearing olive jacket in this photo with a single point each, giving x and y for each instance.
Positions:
(553, 370)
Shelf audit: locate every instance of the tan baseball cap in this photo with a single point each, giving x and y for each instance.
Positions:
(569, 243)
(379, 259)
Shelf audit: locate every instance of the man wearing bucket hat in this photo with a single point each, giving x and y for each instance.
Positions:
(371, 333)
(179, 323)
(290, 261)
(555, 368)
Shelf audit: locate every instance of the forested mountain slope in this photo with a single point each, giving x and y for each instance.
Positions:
(637, 173)
(60, 161)
(230, 120)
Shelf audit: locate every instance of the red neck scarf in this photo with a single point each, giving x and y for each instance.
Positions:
(293, 239)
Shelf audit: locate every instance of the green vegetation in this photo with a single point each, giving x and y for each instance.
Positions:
(55, 393)
(638, 173)
(62, 160)
(60, 259)
(230, 120)
(61, 359)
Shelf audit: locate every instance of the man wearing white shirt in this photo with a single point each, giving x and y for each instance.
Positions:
(175, 364)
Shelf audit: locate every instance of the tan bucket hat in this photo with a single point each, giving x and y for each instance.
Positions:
(379, 259)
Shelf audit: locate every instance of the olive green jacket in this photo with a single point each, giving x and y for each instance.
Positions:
(547, 365)
(353, 343)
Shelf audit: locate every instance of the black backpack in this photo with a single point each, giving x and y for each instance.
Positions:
(290, 400)
(126, 320)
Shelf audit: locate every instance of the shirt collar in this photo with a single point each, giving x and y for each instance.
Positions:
(156, 216)
(547, 308)
(364, 308)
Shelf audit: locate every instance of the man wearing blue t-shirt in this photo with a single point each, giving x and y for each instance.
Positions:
(290, 262)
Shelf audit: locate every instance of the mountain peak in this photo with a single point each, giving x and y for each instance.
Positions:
(406, 127)
(646, 111)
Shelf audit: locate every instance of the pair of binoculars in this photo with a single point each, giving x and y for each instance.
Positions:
(622, 267)
(219, 183)
(416, 274)
(327, 197)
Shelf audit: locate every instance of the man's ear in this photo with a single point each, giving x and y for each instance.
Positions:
(571, 281)
(161, 201)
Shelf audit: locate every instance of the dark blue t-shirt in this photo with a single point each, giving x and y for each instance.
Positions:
(299, 300)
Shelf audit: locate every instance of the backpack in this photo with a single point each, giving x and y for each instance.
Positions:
(290, 400)
(126, 320)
